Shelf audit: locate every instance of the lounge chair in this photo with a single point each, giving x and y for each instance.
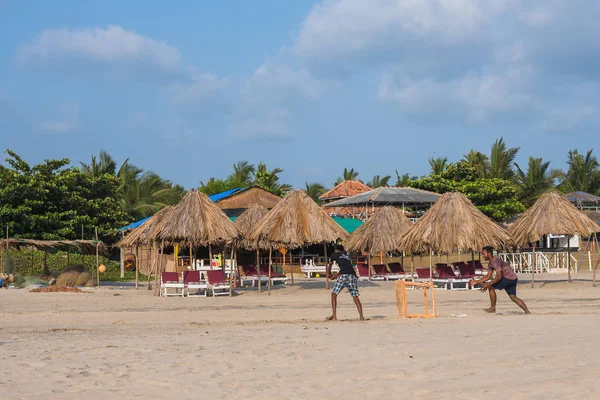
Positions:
(275, 276)
(445, 271)
(396, 271)
(479, 268)
(381, 270)
(170, 280)
(423, 276)
(217, 283)
(192, 281)
(466, 270)
(363, 273)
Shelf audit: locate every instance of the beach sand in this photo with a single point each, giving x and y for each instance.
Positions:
(123, 343)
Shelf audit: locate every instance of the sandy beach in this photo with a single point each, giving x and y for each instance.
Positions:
(121, 343)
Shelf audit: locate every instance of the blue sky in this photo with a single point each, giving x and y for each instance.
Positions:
(187, 88)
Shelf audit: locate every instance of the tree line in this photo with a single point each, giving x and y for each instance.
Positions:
(54, 199)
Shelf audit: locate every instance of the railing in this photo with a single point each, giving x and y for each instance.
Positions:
(550, 262)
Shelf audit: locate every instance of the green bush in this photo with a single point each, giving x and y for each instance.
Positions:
(31, 263)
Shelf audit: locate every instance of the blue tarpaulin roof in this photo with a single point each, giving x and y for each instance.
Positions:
(134, 225)
(222, 195)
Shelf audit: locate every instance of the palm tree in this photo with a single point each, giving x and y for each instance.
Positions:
(314, 190)
(148, 194)
(348, 175)
(379, 181)
(534, 182)
(402, 181)
(438, 165)
(242, 172)
(478, 161)
(583, 173)
(269, 180)
(501, 160)
(105, 165)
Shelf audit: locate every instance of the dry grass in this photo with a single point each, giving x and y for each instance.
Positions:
(381, 233)
(195, 221)
(454, 224)
(554, 214)
(246, 223)
(142, 234)
(249, 197)
(80, 246)
(297, 221)
(74, 278)
(56, 289)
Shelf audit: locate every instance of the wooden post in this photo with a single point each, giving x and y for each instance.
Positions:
(327, 267)
(569, 257)
(152, 262)
(231, 272)
(533, 265)
(430, 266)
(258, 265)
(122, 260)
(137, 267)
(270, 266)
(369, 265)
(209, 257)
(157, 279)
(97, 258)
(412, 266)
(191, 257)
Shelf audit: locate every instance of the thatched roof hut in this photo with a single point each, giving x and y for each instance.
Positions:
(297, 221)
(551, 214)
(142, 235)
(454, 223)
(195, 221)
(381, 233)
(246, 223)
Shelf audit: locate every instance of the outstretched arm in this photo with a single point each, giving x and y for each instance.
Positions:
(474, 282)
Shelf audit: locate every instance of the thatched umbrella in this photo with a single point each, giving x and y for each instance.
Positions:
(295, 222)
(246, 223)
(552, 214)
(453, 223)
(381, 233)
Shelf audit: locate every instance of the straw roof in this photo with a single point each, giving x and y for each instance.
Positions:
(195, 221)
(454, 223)
(143, 233)
(382, 232)
(246, 224)
(80, 246)
(554, 214)
(346, 188)
(248, 197)
(297, 221)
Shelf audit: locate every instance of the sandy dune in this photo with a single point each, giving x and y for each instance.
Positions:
(122, 343)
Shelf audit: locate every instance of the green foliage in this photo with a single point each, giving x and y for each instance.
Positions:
(496, 198)
(140, 194)
(583, 173)
(479, 161)
(378, 181)
(501, 160)
(214, 186)
(314, 190)
(348, 175)
(269, 180)
(31, 263)
(438, 165)
(535, 181)
(52, 201)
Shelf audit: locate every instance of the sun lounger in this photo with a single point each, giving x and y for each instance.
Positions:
(445, 271)
(192, 282)
(423, 276)
(250, 273)
(217, 283)
(275, 276)
(170, 280)
(363, 273)
(381, 270)
(397, 271)
(479, 268)
(466, 270)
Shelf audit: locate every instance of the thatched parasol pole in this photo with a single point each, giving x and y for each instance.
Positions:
(569, 257)
(137, 266)
(412, 266)
(157, 278)
(230, 273)
(369, 264)
(153, 260)
(327, 267)
(596, 266)
(191, 256)
(258, 265)
(97, 271)
(430, 266)
(270, 266)
(209, 257)
(533, 259)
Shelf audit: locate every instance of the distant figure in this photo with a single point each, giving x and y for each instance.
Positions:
(345, 278)
(505, 279)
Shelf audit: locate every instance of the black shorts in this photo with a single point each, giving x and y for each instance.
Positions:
(510, 285)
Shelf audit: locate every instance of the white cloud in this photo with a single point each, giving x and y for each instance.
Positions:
(268, 124)
(567, 118)
(346, 28)
(537, 16)
(66, 119)
(475, 95)
(204, 88)
(124, 52)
